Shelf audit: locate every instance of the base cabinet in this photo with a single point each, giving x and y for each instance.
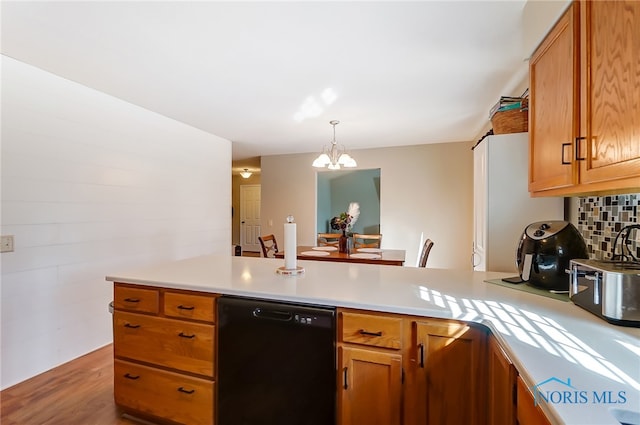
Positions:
(501, 401)
(392, 369)
(164, 349)
(446, 379)
(369, 368)
(370, 387)
(528, 412)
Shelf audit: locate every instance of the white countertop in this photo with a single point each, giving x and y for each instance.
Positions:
(544, 337)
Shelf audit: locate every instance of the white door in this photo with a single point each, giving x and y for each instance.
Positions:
(250, 217)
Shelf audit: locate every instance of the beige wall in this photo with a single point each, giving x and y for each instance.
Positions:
(424, 188)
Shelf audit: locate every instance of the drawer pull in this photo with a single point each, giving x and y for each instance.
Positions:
(129, 325)
(182, 390)
(421, 355)
(130, 376)
(183, 335)
(184, 307)
(363, 332)
(562, 160)
(132, 300)
(346, 378)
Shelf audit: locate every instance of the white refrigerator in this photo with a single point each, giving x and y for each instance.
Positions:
(502, 207)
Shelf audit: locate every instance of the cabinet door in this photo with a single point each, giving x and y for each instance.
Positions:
(554, 100)
(610, 90)
(528, 412)
(369, 387)
(502, 386)
(448, 374)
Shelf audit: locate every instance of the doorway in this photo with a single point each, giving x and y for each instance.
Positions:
(250, 217)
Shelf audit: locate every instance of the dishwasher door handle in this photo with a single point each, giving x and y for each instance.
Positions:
(282, 316)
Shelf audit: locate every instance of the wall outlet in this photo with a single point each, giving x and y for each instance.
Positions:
(6, 243)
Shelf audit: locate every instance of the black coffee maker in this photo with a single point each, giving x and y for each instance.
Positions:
(544, 252)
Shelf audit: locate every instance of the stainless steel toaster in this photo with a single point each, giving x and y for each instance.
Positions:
(608, 289)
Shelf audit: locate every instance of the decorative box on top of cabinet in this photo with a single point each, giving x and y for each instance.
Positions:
(584, 117)
(164, 354)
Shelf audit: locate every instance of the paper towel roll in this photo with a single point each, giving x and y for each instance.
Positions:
(290, 247)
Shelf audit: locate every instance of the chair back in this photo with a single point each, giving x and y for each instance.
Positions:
(269, 245)
(424, 255)
(361, 240)
(328, 239)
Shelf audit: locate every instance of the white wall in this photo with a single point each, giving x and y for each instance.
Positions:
(424, 188)
(92, 185)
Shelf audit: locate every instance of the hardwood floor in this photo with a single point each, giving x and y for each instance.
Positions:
(76, 393)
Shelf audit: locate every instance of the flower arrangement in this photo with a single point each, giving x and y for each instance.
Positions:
(346, 220)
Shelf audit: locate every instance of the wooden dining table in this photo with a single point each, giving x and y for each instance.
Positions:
(389, 257)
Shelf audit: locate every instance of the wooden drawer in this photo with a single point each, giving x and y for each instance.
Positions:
(136, 299)
(188, 306)
(369, 329)
(172, 343)
(171, 396)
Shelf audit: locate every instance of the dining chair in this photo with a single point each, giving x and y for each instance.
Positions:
(269, 245)
(361, 240)
(424, 255)
(328, 239)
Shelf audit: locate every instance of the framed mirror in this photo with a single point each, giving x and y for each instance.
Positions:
(337, 189)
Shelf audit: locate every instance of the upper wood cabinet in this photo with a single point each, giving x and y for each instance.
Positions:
(584, 109)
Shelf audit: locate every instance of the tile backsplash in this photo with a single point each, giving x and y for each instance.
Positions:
(600, 219)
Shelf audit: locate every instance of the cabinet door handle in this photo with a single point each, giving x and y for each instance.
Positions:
(182, 390)
(421, 355)
(184, 307)
(564, 145)
(132, 300)
(364, 332)
(578, 139)
(130, 376)
(183, 335)
(345, 377)
(129, 325)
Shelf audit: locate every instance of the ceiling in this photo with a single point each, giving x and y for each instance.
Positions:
(269, 76)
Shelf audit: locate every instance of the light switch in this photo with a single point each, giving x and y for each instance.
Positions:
(6, 243)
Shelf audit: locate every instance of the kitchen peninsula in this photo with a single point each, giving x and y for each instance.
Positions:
(585, 370)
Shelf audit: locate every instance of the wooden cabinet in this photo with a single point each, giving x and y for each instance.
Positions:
(527, 412)
(369, 368)
(446, 376)
(553, 106)
(502, 386)
(610, 89)
(164, 348)
(402, 369)
(584, 115)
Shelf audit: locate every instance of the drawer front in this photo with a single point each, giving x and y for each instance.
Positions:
(172, 396)
(368, 329)
(136, 299)
(172, 343)
(187, 306)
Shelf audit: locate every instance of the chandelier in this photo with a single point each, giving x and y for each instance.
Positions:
(335, 156)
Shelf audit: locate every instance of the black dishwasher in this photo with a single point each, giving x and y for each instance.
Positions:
(276, 363)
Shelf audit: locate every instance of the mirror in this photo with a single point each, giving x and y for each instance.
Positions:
(337, 189)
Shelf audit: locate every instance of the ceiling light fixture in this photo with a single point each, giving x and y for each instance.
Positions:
(246, 173)
(335, 156)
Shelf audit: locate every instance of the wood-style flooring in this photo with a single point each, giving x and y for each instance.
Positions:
(76, 393)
